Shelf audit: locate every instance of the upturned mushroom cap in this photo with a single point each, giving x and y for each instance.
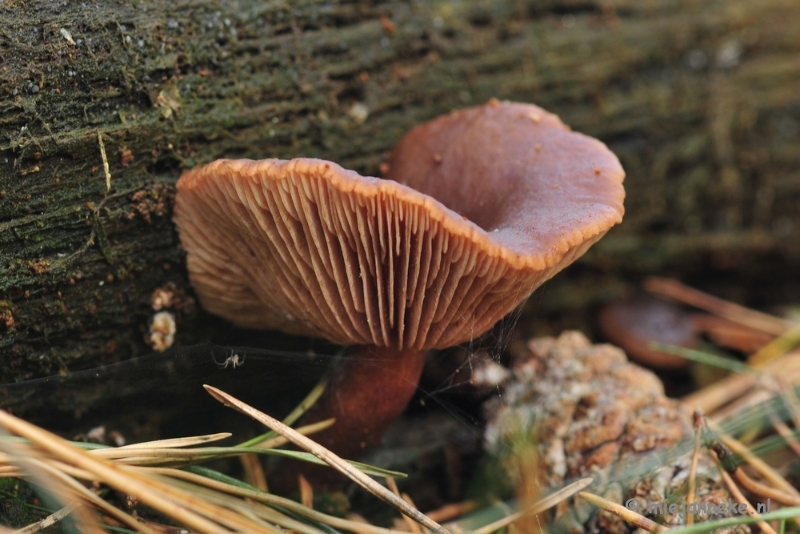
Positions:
(482, 206)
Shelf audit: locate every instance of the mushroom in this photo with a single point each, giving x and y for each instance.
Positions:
(480, 207)
(634, 324)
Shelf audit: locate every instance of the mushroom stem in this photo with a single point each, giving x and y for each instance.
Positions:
(370, 389)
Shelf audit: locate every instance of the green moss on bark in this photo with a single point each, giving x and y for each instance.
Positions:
(699, 99)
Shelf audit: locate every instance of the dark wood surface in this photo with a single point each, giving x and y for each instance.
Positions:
(700, 100)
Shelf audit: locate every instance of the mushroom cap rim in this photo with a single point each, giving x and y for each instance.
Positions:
(367, 186)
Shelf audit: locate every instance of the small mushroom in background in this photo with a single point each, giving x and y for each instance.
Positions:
(480, 207)
(635, 323)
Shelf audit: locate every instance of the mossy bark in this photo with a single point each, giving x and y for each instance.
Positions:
(699, 100)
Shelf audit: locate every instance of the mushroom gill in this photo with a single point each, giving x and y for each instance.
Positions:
(481, 207)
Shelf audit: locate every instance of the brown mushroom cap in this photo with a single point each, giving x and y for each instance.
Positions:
(634, 324)
(497, 199)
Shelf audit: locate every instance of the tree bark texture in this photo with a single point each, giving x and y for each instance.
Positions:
(700, 100)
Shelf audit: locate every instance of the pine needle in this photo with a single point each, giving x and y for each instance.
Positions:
(539, 506)
(627, 515)
(776, 348)
(311, 399)
(149, 491)
(706, 358)
(734, 312)
(326, 456)
(740, 498)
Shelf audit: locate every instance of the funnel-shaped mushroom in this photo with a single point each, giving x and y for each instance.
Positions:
(481, 207)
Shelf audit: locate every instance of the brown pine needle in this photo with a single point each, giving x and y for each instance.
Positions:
(265, 513)
(539, 506)
(253, 471)
(48, 521)
(306, 404)
(734, 312)
(326, 456)
(415, 528)
(306, 430)
(269, 498)
(740, 498)
(723, 453)
(360, 520)
(451, 511)
(789, 396)
(29, 461)
(732, 388)
(786, 433)
(763, 469)
(756, 397)
(733, 446)
(412, 526)
(762, 490)
(306, 491)
(128, 480)
(620, 511)
(720, 393)
(690, 495)
(56, 472)
(392, 485)
(776, 348)
(176, 442)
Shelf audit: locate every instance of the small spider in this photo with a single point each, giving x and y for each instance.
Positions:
(234, 360)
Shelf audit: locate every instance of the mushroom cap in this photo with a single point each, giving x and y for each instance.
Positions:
(634, 324)
(482, 206)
